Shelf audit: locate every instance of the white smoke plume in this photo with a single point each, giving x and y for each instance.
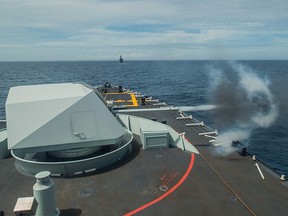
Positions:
(226, 138)
(244, 102)
(197, 108)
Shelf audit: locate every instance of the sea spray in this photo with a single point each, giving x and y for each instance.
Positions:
(244, 102)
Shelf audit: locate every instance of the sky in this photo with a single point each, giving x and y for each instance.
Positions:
(52, 30)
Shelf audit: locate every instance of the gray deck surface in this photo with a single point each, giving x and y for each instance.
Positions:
(215, 186)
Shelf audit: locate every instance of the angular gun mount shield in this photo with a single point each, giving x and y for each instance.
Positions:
(63, 128)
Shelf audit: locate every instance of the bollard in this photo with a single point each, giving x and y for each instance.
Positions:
(282, 178)
(44, 194)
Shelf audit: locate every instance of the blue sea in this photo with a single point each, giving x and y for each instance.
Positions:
(178, 83)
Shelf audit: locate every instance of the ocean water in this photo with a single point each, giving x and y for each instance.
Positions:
(179, 83)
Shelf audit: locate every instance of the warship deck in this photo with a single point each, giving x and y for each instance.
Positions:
(160, 181)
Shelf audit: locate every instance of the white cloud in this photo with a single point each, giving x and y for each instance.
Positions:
(144, 27)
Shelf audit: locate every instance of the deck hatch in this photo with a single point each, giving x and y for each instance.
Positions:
(153, 136)
(155, 140)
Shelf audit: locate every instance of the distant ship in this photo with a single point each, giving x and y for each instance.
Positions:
(121, 60)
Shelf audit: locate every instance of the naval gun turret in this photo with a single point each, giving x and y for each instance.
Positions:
(63, 128)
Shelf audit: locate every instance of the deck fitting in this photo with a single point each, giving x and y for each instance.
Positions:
(85, 192)
(163, 188)
(282, 178)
